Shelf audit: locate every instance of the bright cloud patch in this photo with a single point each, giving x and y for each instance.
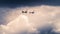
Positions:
(27, 23)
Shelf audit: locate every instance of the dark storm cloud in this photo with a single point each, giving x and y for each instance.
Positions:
(17, 3)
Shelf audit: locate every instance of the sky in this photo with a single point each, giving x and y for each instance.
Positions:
(44, 20)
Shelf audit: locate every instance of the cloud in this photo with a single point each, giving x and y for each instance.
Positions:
(19, 25)
(44, 17)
